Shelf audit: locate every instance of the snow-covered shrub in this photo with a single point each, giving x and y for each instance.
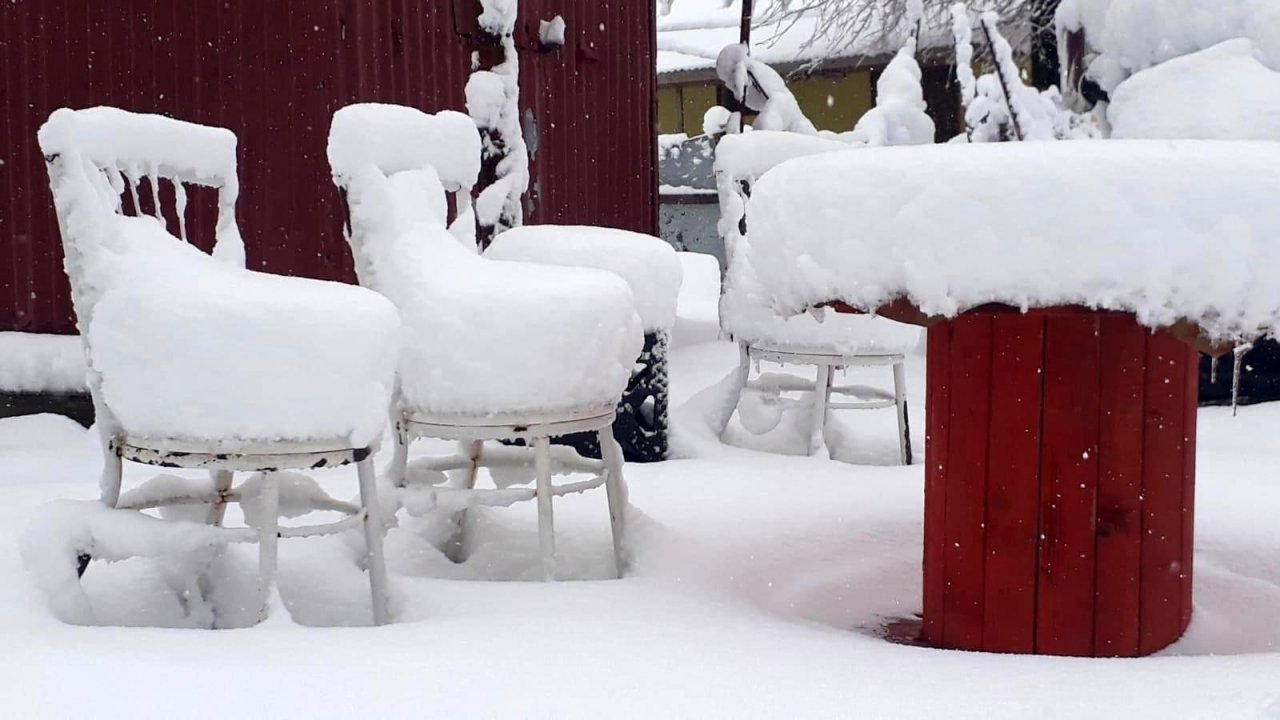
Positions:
(761, 88)
(899, 117)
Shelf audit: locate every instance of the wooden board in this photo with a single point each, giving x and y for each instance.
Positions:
(937, 421)
(1068, 487)
(966, 481)
(1013, 492)
(1120, 446)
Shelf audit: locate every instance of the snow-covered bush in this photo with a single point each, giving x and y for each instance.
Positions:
(1000, 106)
(761, 88)
(899, 117)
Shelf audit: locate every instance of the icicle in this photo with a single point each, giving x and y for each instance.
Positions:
(1240, 352)
(131, 178)
(116, 178)
(153, 176)
(180, 204)
(1213, 370)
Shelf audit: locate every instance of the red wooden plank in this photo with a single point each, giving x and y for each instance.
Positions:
(963, 548)
(1069, 481)
(1162, 489)
(1191, 410)
(1013, 491)
(1120, 447)
(937, 421)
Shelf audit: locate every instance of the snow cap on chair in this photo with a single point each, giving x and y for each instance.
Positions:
(648, 264)
(481, 337)
(395, 138)
(1171, 231)
(143, 145)
(189, 347)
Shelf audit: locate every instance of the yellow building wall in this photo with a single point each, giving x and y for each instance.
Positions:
(832, 102)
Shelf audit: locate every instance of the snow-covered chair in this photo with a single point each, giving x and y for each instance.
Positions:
(493, 351)
(825, 340)
(652, 270)
(196, 362)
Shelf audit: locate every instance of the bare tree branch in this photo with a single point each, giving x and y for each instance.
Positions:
(843, 25)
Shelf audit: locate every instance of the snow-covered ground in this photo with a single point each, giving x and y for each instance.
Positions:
(759, 586)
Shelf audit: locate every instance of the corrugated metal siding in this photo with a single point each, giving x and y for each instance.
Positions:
(274, 72)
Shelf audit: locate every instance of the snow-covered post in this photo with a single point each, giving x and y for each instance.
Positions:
(493, 101)
(1006, 69)
(962, 32)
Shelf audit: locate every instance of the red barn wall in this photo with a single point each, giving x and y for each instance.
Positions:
(274, 73)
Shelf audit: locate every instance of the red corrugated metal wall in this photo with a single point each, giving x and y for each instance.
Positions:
(274, 72)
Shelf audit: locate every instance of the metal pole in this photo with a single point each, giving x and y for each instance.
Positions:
(745, 37)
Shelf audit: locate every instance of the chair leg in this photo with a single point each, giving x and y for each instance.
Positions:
(456, 548)
(400, 459)
(112, 475)
(821, 396)
(546, 522)
(373, 532)
(221, 485)
(616, 488)
(268, 541)
(109, 487)
(900, 400)
(742, 377)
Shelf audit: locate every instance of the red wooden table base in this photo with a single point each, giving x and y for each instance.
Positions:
(1060, 484)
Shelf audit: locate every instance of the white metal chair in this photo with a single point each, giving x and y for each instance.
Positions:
(825, 340)
(493, 351)
(196, 362)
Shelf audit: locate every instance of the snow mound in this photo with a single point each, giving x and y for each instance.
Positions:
(190, 347)
(1167, 230)
(64, 529)
(41, 363)
(648, 264)
(1235, 97)
(1132, 35)
(45, 431)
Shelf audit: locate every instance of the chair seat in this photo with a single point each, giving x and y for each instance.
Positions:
(483, 337)
(836, 334)
(648, 264)
(193, 348)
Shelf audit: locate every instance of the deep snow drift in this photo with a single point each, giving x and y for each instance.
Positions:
(760, 582)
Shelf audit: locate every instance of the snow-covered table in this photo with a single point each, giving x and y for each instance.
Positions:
(1066, 286)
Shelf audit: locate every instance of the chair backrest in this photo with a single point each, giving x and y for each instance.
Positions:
(97, 159)
(741, 160)
(394, 139)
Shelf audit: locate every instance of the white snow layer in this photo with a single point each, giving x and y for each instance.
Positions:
(1223, 92)
(648, 264)
(110, 137)
(1133, 35)
(483, 337)
(132, 146)
(1167, 230)
(396, 138)
(31, 362)
(190, 347)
